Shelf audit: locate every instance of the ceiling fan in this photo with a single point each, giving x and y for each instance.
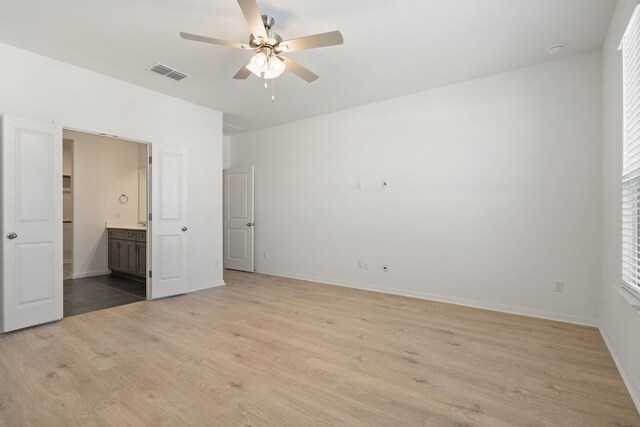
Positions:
(269, 61)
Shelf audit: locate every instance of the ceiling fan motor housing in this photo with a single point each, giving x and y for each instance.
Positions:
(273, 38)
(268, 21)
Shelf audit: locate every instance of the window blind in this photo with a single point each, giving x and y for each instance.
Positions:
(631, 156)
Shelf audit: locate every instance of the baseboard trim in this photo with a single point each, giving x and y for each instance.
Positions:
(577, 320)
(632, 387)
(90, 274)
(207, 286)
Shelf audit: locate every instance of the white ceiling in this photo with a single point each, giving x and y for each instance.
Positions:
(392, 48)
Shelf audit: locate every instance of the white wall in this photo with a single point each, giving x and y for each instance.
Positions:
(41, 88)
(67, 158)
(620, 323)
(104, 168)
(142, 156)
(494, 192)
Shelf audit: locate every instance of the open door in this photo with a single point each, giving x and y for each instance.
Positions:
(168, 223)
(238, 218)
(32, 291)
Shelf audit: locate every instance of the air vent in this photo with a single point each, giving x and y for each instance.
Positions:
(161, 69)
(177, 75)
(168, 72)
(229, 128)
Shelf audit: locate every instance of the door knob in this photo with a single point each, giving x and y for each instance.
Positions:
(11, 235)
(250, 224)
(184, 228)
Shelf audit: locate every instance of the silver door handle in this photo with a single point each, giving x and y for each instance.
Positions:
(251, 224)
(11, 235)
(184, 228)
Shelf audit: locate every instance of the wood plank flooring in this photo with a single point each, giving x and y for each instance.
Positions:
(268, 351)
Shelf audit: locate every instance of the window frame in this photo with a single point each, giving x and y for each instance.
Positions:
(630, 230)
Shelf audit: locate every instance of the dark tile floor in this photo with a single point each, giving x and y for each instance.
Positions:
(98, 292)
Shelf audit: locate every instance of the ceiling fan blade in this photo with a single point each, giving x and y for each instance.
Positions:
(298, 69)
(244, 72)
(254, 19)
(210, 40)
(331, 38)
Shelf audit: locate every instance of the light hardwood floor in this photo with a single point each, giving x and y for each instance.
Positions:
(272, 351)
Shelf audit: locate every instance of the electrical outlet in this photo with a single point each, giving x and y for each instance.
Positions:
(360, 185)
(559, 286)
(217, 263)
(385, 267)
(264, 254)
(363, 265)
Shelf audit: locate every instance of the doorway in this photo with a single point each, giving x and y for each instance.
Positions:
(104, 222)
(31, 253)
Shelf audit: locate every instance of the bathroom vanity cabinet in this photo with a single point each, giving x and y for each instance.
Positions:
(128, 252)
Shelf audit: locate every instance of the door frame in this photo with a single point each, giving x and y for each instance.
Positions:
(148, 143)
(72, 199)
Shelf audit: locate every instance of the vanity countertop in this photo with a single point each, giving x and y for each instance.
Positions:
(125, 225)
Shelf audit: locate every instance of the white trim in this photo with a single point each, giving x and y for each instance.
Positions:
(632, 387)
(90, 274)
(585, 321)
(139, 140)
(629, 295)
(634, 16)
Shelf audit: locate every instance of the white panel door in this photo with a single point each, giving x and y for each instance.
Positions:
(169, 221)
(238, 218)
(32, 291)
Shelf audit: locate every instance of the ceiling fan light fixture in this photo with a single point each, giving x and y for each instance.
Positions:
(259, 64)
(267, 67)
(275, 68)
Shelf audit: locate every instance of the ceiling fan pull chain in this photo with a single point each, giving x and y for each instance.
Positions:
(265, 84)
(273, 90)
